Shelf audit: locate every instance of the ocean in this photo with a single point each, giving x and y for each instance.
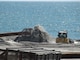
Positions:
(53, 16)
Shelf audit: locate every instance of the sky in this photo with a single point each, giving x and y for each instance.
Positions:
(39, 0)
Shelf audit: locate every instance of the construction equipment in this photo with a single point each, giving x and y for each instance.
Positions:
(62, 37)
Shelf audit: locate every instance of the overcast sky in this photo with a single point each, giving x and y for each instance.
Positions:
(39, 0)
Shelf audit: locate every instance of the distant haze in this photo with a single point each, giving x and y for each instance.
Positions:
(39, 0)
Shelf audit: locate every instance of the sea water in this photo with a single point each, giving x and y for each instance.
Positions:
(53, 16)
